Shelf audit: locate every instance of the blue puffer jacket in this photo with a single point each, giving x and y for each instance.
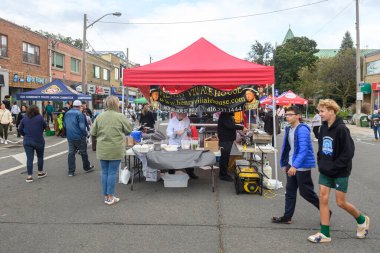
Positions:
(75, 124)
(303, 156)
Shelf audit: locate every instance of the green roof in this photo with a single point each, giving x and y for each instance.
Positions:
(289, 35)
(327, 53)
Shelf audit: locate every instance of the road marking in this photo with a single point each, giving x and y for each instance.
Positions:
(23, 153)
(22, 165)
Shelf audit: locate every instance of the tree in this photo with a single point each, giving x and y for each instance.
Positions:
(289, 58)
(261, 54)
(347, 42)
(68, 40)
(331, 78)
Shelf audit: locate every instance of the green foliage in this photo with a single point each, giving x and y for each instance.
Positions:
(331, 78)
(68, 40)
(347, 42)
(344, 113)
(261, 54)
(290, 58)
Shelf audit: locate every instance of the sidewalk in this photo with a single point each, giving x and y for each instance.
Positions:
(355, 130)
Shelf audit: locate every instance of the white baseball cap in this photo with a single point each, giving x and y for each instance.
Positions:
(77, 103)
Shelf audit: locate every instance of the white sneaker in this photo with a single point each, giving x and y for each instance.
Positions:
(6, 142)
(362, 230)
(319, 238)
(2, 140)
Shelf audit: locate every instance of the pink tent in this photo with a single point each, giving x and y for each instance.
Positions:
(290, 97)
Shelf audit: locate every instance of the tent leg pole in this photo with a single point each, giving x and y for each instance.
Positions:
(274, 136)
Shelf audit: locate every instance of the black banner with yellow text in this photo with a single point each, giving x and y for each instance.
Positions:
(210, 99)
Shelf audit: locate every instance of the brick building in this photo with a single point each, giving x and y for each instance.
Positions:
(119, 61)
(24, 61)
(372, 77)
(66, 62)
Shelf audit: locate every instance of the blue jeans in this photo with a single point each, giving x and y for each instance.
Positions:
(29, 147)
(109, 169)
(75, 146)
(376, 130)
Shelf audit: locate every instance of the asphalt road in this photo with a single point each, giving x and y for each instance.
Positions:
(67, 214)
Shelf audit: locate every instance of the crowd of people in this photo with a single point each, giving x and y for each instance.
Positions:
(334, 156)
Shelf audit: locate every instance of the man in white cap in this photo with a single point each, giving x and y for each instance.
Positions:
(76, 133)
(177, 130)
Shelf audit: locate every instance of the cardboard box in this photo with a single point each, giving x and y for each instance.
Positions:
(152, 175)
(130, 142)
(211, 143)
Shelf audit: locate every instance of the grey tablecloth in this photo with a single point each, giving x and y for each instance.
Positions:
(179, 159)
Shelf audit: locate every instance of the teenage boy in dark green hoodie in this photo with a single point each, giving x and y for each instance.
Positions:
(335, 153)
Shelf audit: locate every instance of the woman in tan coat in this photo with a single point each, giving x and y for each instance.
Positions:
(110, 128)
(5, 122)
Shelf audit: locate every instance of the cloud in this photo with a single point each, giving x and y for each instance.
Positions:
(234, 36)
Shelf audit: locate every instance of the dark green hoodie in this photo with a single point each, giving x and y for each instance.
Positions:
(336, 149)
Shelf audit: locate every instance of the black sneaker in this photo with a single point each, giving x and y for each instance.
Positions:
(42, 174)
(90, 169)
(227, 178)
(282, 220)
(192, 175)
(71, 174)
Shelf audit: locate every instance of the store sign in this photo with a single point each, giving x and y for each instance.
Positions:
(19, 77)
(373, 67)
(103, 90)
(359, 95)
(91, 88)
(209, 99)
(376, 86)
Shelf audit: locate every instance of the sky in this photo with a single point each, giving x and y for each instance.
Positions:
(143, 27)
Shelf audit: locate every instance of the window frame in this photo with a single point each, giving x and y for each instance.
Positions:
(76, 61)
(117, 74)
(94, 71)
(1, 45)
(54, 64)
(25, 53)
(106, 73)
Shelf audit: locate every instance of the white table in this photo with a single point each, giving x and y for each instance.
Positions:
(130, 153)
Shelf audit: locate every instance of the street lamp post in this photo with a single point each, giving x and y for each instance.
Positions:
(85, 27)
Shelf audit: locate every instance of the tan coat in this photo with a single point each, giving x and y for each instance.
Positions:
(110, 128)
(5, 117)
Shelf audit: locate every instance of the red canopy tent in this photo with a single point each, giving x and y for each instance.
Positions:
(267, 100)
(290, 97)
(201, 63)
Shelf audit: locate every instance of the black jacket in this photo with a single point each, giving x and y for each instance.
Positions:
(147, 119)
(268, 123)
(336, 149)
(227, 127)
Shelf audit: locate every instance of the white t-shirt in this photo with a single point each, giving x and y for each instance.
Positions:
(15, 109)
(291, 152)
(175, 125)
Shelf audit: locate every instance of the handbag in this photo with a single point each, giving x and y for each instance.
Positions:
(124, 175)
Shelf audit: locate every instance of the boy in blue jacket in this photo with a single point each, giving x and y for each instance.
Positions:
(297, 160)
(335, 153)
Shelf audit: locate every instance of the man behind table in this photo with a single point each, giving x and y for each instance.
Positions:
(178, 129)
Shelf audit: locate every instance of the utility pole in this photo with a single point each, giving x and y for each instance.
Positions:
(358, 76)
